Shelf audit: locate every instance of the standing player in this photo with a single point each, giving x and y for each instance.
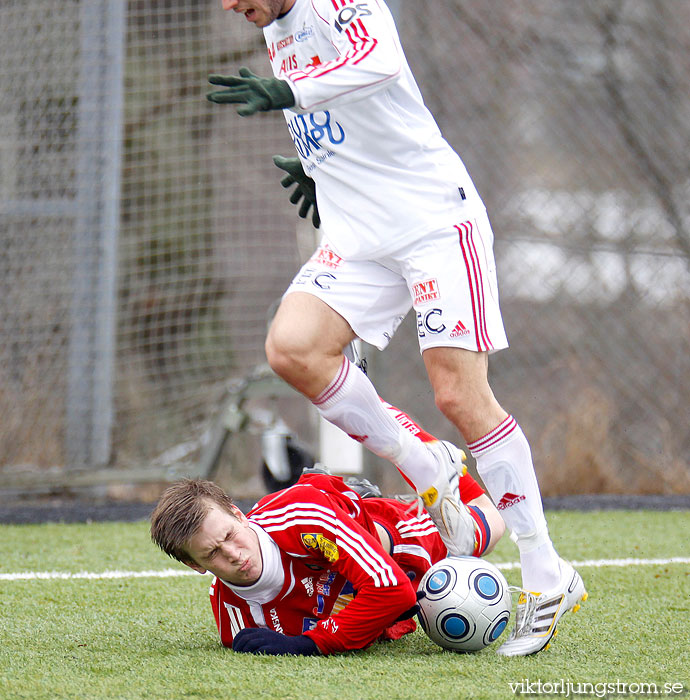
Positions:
(403, 226)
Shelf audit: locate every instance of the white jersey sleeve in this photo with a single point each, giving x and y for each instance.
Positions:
(369, 55)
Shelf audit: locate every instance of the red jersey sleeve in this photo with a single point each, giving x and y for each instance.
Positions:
(310, 524)
(230, 617)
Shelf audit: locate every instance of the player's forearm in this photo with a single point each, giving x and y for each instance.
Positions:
(363, 620)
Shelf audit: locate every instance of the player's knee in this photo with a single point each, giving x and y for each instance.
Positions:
(290, 355)
(280, 354)
(452, 404)
(470, 410)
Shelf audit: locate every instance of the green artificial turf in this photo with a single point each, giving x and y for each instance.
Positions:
(155, 637)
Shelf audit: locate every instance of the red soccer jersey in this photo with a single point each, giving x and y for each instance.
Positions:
(330, 551)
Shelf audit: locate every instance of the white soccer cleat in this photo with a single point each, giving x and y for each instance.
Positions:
(442, 501)
(537, 614)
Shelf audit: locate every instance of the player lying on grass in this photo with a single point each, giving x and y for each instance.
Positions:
(315, 568)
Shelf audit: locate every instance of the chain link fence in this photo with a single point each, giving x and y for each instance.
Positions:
(145, 234)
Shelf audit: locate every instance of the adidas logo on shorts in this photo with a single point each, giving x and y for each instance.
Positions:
(459, 330)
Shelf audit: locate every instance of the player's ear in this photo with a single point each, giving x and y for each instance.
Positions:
(239, 514)
(193, 565)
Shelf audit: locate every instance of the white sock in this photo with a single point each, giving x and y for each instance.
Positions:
(504, 462)
(351, 402)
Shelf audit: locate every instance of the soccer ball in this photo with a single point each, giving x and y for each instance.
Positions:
(466, 603)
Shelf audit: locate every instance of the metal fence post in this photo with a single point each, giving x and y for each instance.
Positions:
(91, 351)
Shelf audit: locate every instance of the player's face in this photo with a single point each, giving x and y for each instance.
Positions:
(226, 546)
(260, 12)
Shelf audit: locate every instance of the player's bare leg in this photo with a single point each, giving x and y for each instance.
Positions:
(504, 461)
(305, 343)
(304, 347)
(461, 390)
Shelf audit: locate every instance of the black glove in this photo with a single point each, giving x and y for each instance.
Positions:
(254, 93)
(411, 612)
(264, 641)
(305, 187)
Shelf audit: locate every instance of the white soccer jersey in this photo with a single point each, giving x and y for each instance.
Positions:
(384, 174)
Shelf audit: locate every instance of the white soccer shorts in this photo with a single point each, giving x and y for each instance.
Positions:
(449, 277)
